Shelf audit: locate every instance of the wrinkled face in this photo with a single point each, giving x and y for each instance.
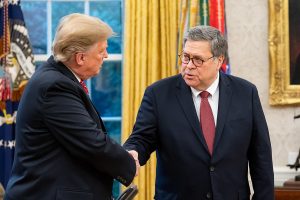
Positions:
(203, 75)
(92, 60)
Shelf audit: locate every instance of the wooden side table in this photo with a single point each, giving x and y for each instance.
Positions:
(289, 191)
(291, 183)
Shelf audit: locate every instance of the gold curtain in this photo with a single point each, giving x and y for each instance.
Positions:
(150, 51)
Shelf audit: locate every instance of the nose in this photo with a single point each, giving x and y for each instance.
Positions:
(190, 64)
(105, 54)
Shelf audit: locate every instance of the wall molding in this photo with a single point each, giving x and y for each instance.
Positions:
(282, 174)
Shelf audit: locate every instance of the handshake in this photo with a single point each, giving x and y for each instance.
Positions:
(135, 156)
(132, 190)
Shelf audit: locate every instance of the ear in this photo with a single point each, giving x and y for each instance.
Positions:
(80, 58)
(220, 61)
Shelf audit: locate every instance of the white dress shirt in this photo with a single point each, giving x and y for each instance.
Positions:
(213, 99)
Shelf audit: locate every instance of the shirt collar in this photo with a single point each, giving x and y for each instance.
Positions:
(77, 77)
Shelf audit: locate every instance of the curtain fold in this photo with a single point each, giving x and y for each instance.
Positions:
(150, 51)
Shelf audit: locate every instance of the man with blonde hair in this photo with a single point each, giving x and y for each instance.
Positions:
(62, 149)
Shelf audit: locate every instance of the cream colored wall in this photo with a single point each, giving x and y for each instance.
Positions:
(247, 28)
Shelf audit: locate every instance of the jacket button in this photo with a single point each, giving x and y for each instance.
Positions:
(208, 195)
(211, 168)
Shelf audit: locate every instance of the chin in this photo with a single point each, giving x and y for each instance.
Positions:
(190, 82)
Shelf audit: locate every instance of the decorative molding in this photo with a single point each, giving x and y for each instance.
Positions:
(282, 174)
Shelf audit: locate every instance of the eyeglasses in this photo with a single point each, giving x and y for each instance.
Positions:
(197, 61)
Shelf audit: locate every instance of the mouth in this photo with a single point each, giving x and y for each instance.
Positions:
(188, 75)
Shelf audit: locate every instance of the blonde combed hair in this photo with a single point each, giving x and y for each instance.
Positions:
(77, 33)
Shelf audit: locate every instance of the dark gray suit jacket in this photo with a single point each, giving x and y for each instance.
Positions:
(168, 124)
(62, 149)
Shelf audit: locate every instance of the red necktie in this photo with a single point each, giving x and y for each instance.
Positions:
(207, 122)
(84, 87)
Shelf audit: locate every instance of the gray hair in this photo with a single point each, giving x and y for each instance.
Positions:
(218, 43)
(77, 33)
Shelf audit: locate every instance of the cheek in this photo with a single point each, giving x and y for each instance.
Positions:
(201, 71)
(99, 58)
(100, 61)
(182, 68)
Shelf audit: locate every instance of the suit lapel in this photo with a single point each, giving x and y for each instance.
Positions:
(225, 94)
(184, 96)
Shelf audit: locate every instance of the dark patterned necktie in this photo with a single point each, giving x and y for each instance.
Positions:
(207, 122)
(84, 87)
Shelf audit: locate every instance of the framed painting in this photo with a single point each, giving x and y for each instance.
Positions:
(284, 52)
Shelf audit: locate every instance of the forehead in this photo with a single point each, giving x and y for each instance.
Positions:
(101, 45)
(197, 47)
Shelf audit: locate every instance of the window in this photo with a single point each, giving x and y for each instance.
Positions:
(42, 17)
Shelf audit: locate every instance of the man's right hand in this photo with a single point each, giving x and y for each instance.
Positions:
(135, 156)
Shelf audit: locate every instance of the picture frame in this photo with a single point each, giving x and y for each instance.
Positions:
(282, 91)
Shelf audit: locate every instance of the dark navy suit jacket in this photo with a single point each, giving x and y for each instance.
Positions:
(168, 124)
(62, 149)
